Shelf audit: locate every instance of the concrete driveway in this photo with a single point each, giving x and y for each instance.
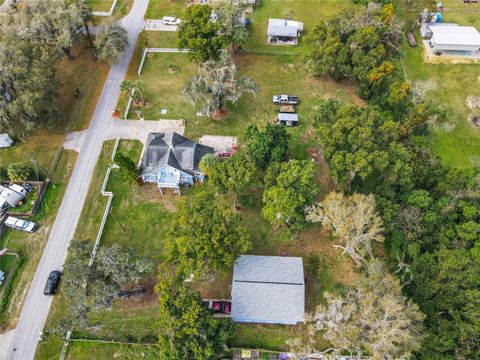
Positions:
(36, 306)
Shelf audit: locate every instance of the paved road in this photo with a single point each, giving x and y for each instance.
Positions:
(36, 307)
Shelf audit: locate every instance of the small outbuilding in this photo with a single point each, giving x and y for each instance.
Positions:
(455, 38)
(268, 289)
(284, 32)
(287, 119)
(11, 196)
(5, 140)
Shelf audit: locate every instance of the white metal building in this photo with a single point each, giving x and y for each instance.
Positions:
(455, 38)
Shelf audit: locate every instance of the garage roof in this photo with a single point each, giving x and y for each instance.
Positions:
(456, 35)
(268, 289)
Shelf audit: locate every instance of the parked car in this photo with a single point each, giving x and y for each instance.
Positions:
(287, 109)
(21, 224)
(218, 306)
(285, 99)
(52, 283)
(171, 20)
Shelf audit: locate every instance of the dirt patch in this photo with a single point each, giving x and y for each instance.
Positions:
(323, 177)
(346, 86)
(475, 119)
(220, 115)
(148, 298)
(216, 286)
(473, 102)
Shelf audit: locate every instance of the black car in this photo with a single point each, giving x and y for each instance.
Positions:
(52, 282)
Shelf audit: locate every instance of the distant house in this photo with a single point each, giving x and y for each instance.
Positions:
(5, 140)
(284, 32)
(455, 38)
(170, 160)
(11, 196)
(268, 289)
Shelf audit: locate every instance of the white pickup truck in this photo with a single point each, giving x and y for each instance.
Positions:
(171, 20)
(21, 224)
(285, 100)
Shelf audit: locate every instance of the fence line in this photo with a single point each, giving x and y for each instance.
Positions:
(157, 50)
(129, 103)
(106, 13)
(109, 194)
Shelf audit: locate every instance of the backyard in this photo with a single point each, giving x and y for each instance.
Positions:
(452, 84)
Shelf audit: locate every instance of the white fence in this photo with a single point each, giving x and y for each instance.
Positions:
(157, 50)
(106, 13)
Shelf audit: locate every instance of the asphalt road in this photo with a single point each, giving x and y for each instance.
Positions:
(36, 307)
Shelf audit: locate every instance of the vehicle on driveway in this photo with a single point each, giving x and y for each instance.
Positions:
(52, 283)
(171, 20)
(21, 224)
(287, 119)
(285, 100)
(218, 306)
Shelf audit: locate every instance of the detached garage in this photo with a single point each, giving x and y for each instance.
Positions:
(455, 38)
(268, 289)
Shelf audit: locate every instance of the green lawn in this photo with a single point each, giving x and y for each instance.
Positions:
(157, 9)
(453, 83)
(100, 5)
(79, 350)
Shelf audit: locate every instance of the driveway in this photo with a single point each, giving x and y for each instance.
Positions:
(36, 306)
(158, 25)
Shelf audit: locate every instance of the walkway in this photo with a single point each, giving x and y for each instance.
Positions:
(36, 307)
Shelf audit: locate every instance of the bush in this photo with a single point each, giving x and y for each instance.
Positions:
(18, 172)
(3, 173)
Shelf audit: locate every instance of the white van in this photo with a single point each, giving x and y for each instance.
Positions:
(171, 20)
(21, 224)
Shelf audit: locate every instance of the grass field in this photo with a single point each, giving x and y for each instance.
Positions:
(38, 151)
(157, 9)
(453, 83)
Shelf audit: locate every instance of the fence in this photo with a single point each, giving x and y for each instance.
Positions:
(106, 13)
(157, 50)
(108, 194)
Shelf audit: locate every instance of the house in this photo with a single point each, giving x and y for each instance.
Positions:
(170, 160)
(11, 196)
(284, 32)
(5, 140)
(455, 38)
(268, 289)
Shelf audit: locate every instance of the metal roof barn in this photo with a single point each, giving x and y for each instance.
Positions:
(455, 38)
(268, 289)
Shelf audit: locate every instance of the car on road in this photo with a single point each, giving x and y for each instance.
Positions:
(171, 20)
(21, 224)
(285, 100)
(218, 306)
(52, 283)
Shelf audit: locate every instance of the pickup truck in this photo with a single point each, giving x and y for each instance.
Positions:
(20, 224)
(285, 100)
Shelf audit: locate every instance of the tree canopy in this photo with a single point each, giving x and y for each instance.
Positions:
(289, 188)
(229, 14)
(267, 145)
(111, 41)
(208, 235)
(374, 318)
(187, 329)
(199, 34)
(215, 84)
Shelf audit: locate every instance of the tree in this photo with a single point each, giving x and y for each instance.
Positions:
(198, 34)
(359, 47)
(215, 84)
(362, 143)
(128, 169)
(374, 318)
(267, 145)
(28, 84)
(229, 15)
(208, 235)
(51, 23)
(446, 286)
(289, 188)
(94, 286)
(187, 329)
(86, 14)
(134, 89)
(232, 174)
(19, 172)
(354, 221)
(111, 41)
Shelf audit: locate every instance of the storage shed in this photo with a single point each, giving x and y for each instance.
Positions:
(284, 31)
(268, 289)
(287, 119)
(455, 38)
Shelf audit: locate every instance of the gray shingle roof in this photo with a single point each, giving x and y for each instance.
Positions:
(172, 149)
(268, 289)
